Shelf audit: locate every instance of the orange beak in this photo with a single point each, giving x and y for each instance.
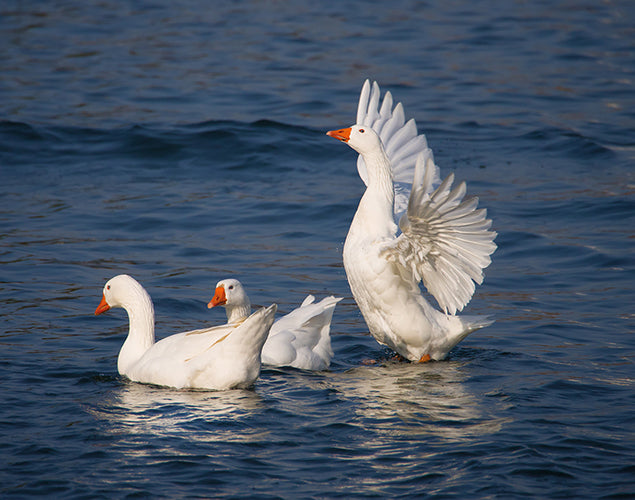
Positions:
(219, 298)
(102, 307)
(343, 134)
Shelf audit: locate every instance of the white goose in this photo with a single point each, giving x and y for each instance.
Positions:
(221, 357)
(300, 339)
(441, 239)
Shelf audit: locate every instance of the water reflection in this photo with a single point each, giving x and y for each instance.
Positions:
(417, 400)
(402, 402)
(140, 409)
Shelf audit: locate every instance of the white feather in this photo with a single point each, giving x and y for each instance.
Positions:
(442, 240)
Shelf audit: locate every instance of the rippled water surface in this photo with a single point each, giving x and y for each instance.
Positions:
(183, 144)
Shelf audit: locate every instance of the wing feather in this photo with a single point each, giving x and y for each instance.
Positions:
(400, 138)
(402, 142)
(446, 241)
(394, 121)
(362, 105)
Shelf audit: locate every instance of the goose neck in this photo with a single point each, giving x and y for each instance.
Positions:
(379, 173)
(237, 313)
(375, 210)
(141, 331)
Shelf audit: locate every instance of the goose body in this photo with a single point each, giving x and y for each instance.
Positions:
(300, 339)
(220, 357)
(410, 228)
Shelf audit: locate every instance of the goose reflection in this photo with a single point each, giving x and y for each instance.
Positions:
(140, 409)
(416, 399)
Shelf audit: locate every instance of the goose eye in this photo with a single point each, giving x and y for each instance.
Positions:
(231, 287)
(107, 287)
(361, 130)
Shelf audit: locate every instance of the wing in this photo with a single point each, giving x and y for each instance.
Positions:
(186, 345)
(445, 240)
(308, 320)
(302, 337)
(401, 141)
(279, 349)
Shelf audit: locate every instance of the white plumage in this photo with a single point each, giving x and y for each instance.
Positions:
(220, 357)
(300, 339)
(406, 231)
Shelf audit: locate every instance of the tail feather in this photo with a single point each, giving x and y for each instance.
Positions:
(468, 324)
(473, 322)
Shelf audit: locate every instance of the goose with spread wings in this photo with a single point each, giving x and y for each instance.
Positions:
(411, 228)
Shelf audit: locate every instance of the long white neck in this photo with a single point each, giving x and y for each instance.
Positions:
(375, 209)
(237, 313)
(140, 338)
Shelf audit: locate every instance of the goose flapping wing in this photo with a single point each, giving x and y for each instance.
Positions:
(402, 143)
(445, 240)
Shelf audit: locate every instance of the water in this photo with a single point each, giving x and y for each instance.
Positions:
(183, 144)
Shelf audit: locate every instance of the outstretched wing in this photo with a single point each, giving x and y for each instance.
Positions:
(401, 141)
(445, 240)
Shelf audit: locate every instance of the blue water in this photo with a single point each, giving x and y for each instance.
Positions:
(184, 142)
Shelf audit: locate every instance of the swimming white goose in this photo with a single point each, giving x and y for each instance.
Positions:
(221, 357)
(441, 239)
(300, 339)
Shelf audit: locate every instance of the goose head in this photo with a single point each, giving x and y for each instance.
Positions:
(361, 138)
(231, 294)
(119, 291)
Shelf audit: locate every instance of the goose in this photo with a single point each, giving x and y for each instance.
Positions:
(410, 228)
(300, 339)
(218, 358)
